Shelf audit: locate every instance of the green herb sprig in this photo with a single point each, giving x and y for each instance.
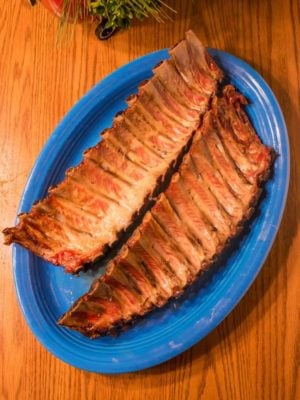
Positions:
(119, 14)
(112, 14)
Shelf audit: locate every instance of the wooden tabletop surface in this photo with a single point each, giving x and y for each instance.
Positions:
(253, 353)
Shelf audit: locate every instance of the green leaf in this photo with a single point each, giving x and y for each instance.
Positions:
(120, 13)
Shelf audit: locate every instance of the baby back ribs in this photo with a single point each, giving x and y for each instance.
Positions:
(206, 205)
(98, 199)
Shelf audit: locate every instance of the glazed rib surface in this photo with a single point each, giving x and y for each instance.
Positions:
(205, 205)
(98, 199)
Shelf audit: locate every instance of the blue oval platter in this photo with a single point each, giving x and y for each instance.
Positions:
(46, 292)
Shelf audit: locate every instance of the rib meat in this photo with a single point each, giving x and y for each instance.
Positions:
(206, 204)
(98, 199)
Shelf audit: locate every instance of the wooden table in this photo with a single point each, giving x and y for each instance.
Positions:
(253, 353)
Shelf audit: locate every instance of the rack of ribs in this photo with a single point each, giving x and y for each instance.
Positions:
(84, 215)
(206, 204)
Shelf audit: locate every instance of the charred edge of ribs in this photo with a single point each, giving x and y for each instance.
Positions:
(241, 228)
(40, 241)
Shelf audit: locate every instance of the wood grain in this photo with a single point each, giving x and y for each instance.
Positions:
(254, 353)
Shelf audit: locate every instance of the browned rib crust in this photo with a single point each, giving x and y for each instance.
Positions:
(166, 247)
(97, 199)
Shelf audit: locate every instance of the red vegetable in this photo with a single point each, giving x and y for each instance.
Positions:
(75, 9)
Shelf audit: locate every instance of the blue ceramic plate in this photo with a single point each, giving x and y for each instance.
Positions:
(46, 292)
